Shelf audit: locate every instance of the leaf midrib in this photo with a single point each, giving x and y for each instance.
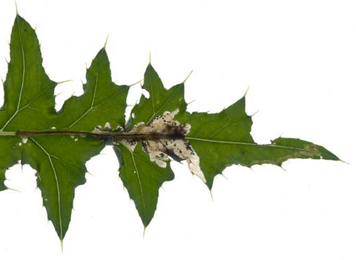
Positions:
(139, 182)
(57, 186)
(92, 106)
(250, 144)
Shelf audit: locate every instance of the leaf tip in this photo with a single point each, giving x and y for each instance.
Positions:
(254, 113)
(223, 175)
(91, 174)
(17, 10)
(106, 41)
(344, 162)
(64, 81)
(61, 245)
(190, 102)
(137, 82)
(190, 73)
(144, 232)
(209, 184)
(248, 88)
(211, 195)
(12, 189)
(280, 165)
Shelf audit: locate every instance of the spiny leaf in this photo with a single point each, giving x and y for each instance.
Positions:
(143, 184)
(60, 162)
(160, 131)
(160, 99)
(28, 90)
(224, 139)
(102, 101)
(142, 178)
(220, 140)
(8, 159)
(28, 93)
(29, 105)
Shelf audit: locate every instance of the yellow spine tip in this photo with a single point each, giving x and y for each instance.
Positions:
(62, 245)
(17, 10)
(190, 73)
(248, 88)
(106, 41)
(144, 232)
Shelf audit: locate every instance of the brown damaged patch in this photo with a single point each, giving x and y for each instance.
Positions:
(170, 144)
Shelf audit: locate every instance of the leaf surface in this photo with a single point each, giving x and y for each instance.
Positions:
(142, 179)
(57, 145)
(102, 102)
(29, 105)
(28, 93)
(160, 99)
(60, 162)
(224, 139)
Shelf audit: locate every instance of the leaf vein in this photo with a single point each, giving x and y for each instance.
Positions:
(139, 182)
(57, 185)
(22, 79)
(164, 104)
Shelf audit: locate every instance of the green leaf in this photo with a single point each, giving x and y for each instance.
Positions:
(28, 93)
(160, 99)
(57, 145)
(142, 178)
(60, 162)
(215, 141)
(29, 105)
(102, 101)
(28, 90)
(224, 139)
(8, 159)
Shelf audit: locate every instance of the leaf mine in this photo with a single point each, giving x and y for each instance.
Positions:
(172, 144)
(58, 145)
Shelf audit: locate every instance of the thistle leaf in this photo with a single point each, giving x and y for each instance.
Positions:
(224, 139)
(57, 145)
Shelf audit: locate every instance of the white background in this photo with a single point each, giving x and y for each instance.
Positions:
(299, 59)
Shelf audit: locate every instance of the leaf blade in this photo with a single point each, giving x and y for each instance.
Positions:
(103, 101)
(59, 172)
(29, 105)
(143, 179)
(224, 139)
(28, 90)
(160, 99)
